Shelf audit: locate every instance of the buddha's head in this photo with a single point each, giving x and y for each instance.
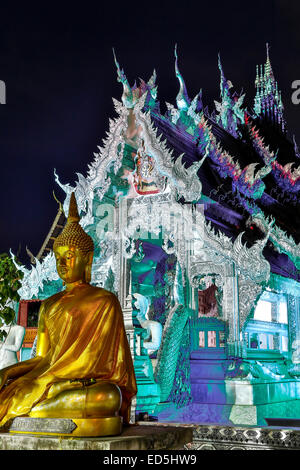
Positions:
(73, 249)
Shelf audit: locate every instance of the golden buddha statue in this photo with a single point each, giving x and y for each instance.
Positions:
(83, 368)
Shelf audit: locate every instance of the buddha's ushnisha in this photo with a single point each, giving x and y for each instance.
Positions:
(83, 368)
(73, 234)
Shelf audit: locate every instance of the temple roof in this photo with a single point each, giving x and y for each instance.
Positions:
(252, 167)
(250, 175)
(229, 214)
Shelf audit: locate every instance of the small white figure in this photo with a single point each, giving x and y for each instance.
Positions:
(11, 344)
(154, 328)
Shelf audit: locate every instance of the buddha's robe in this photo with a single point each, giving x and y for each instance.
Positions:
(86, 338)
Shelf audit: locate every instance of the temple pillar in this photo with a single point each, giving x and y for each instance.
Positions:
(125, 294)
(293, 306)
(231, 307)
(126, 301)
(274, 312)
(276, 341)
(124, 273)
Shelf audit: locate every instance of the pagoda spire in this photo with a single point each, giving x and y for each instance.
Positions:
(268, 66)
(267, 102)
(182, 99)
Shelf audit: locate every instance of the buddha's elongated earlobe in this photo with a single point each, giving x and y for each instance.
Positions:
(88, 268)
(88, 273)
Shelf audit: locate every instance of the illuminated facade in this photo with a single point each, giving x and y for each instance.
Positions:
(194, 216)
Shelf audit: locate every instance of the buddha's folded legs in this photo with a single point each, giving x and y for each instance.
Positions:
(94, 401)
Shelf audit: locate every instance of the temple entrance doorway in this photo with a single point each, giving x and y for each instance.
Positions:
(208, 359)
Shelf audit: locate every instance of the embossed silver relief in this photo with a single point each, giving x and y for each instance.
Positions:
(199, 249)
(184, 181)
(281, 241)
(242, 273)
(249, 292)
(34, 278)
(43, 425)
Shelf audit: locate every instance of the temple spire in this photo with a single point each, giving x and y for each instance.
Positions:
(267, 102)
(268, 55)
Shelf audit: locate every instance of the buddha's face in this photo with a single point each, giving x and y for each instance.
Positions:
(71, 263)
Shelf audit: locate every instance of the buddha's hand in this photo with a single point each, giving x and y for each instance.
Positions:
(3, 378)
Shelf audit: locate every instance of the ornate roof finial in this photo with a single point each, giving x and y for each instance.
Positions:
(31, 255)
(182, 99)
(199, 106)
(127, 96)
(224, 84)
(61, 209)
(220, 66)
(296, 149)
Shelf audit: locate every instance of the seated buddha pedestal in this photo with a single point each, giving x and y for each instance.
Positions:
(83, 371)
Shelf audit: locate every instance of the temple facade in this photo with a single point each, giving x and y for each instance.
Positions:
(195, 219)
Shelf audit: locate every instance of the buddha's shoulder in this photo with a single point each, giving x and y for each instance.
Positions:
(85, 292)
(100, 292)
(50, 300)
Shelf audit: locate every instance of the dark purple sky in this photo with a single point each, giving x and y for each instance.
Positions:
(60, 76)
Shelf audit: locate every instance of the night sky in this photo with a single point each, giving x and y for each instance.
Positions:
(60, 78)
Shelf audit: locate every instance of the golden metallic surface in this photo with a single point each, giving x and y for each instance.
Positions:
(83, 368)
(95, 427)
(72, 265)
(98, 400)
(81, 334)
(73, 234)
(98, 427)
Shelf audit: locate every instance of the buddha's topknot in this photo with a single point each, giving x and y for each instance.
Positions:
(73, 234)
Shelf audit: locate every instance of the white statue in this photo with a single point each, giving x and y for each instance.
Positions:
(154, 328)
(11, 344)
